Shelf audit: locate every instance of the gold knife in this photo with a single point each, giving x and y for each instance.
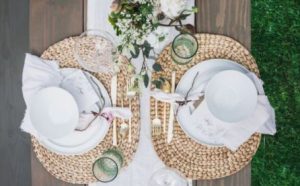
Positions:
(171, 116)
(114, 85)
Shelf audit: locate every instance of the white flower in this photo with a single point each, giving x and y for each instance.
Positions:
(173, 8)
(157, 38)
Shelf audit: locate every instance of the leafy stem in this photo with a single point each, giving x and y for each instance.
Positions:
(167, 25)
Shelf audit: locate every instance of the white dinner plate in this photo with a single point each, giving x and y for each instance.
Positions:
(46, 104)
(79, 142)
(206, 70)
(231, 96)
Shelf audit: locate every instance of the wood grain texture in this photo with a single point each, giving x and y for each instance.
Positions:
(53, 20)
(231, 18)
(242, 178)
(14, 144)
(50, 22)
(227, 17)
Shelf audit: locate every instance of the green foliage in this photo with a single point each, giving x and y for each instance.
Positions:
(147, 49)
(276, 47)
(113, 19)
(157, 67)
(146, 79)
(157, 84)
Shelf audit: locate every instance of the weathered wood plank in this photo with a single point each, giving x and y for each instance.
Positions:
(14, 144)
(50, 22)
(231, 18)
(242, 178)
(54, 20)
(227, 17)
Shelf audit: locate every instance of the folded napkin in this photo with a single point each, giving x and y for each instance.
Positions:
(76, 83)
(108, 113)
(39, 73)
(175, 97)
(232, 135)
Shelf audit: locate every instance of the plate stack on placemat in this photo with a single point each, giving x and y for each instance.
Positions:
(77, 169)
(194, 160)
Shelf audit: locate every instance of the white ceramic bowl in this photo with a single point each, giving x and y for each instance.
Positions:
(231, 96)
(53, 112)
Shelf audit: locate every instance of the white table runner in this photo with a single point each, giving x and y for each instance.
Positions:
(145, 162)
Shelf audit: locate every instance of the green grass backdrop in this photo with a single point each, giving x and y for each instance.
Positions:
(276, 47)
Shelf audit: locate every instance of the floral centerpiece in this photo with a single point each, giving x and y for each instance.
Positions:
(142, 25)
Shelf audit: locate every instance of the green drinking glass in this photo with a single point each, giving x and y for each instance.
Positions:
(107, 167)
(184, 48)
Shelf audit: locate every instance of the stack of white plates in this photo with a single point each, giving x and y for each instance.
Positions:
(230, 96)
(75, 142)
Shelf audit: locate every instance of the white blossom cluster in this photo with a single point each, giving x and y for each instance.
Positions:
(130, 33)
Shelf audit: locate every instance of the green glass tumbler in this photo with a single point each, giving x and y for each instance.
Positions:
(107, 167)
(184, 48)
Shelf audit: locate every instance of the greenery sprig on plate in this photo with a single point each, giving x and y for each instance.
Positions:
(139, 25)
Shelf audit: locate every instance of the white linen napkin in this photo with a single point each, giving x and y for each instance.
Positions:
(78, 86)
(232, 135)
(175, 97)
(270, 125)
(39, 73)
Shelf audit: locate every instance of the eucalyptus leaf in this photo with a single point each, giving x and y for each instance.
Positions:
(195, 9)
(157, 83)
(161, 39)
(157, 67)
(120, 48)
(146, 80)
(136, 52)
(162, 79)
(183, 16)
(147, 49)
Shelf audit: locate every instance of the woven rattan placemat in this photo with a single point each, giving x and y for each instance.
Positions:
(78, 168)
(194, 160)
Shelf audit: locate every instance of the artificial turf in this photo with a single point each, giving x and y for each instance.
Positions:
(276, 47)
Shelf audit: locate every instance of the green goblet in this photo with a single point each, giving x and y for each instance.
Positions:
(184, 48)
(107, 167)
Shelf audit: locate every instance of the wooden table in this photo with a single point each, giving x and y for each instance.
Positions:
(51, 21)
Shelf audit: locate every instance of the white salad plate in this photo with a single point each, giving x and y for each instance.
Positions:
(206, 70)
(80, 142)
(51, 118)
(231, 96)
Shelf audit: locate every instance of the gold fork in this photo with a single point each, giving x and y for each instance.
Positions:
(156, 123)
